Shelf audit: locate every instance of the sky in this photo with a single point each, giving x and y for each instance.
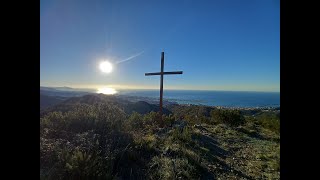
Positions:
(218, 44)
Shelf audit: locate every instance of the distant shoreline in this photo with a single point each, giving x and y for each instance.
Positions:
(168, 102)
(217, 99)
(123, 90)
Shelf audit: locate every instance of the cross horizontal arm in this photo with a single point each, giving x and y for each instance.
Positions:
(159, 73)
(152, 74)
(173, 72)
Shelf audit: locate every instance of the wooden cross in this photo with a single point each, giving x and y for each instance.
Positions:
(161, 80)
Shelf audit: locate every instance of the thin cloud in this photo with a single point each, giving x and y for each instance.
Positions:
(131, 57)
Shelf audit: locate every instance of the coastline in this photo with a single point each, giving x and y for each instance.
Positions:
(152, 100)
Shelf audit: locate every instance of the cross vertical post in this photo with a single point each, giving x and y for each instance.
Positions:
(161, 73)
(161, 83)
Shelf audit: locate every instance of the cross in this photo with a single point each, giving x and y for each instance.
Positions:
(161, 80)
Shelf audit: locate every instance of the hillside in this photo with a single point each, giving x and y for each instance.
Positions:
(128, 107)
(101, 137)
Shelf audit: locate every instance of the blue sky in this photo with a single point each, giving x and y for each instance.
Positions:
(218, 44)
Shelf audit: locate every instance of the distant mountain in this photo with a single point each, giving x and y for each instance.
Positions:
(90, 99)
(143, 107)
(64, 88)
(64, 91)
(64, 98)
(149, 100)
(47, 101)
(128, 106)
(42, 88)
(72, 92)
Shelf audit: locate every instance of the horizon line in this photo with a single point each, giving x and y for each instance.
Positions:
(164, 89)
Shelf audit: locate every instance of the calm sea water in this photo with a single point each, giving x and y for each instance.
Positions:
(213, 98)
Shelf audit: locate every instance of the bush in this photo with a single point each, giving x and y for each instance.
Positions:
(269, 121)
(84, 165)
(170, 168)
(169, 120)
(82, 143)
(230, 117)
(54, 120)
(150, 119)
(182, 134)
(84, 117)
(135, 121)
(194, 114)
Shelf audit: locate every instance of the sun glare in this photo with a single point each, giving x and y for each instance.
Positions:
(105, 67)
(107, 90)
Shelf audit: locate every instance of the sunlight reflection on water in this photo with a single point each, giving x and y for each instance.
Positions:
(107, 90)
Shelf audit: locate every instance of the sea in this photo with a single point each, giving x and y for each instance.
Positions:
(212, 98)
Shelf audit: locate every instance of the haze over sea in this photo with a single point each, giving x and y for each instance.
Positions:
(213, 98)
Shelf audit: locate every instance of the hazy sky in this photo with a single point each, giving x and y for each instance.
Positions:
(218, 44)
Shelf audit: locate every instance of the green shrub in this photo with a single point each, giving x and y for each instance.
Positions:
(82, 143)
(135, 121)
(84, 165)
(184, 134)
(169, 168)
(168, 120)
(230, 117)
(269, 121)
(84, 117)
(54, 120)
(150, 118)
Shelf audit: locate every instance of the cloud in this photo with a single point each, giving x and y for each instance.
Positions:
(131, 57)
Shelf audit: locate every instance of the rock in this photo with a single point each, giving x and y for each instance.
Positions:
(166, 151)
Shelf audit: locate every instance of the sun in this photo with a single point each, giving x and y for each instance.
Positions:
(106, 67)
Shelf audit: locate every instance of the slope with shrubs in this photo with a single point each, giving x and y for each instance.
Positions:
(99, 140)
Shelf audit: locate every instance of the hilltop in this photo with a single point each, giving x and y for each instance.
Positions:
(99, 136)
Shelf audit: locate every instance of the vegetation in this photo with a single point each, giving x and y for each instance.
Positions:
(270, 121)
(89, 140)
(230, 117)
